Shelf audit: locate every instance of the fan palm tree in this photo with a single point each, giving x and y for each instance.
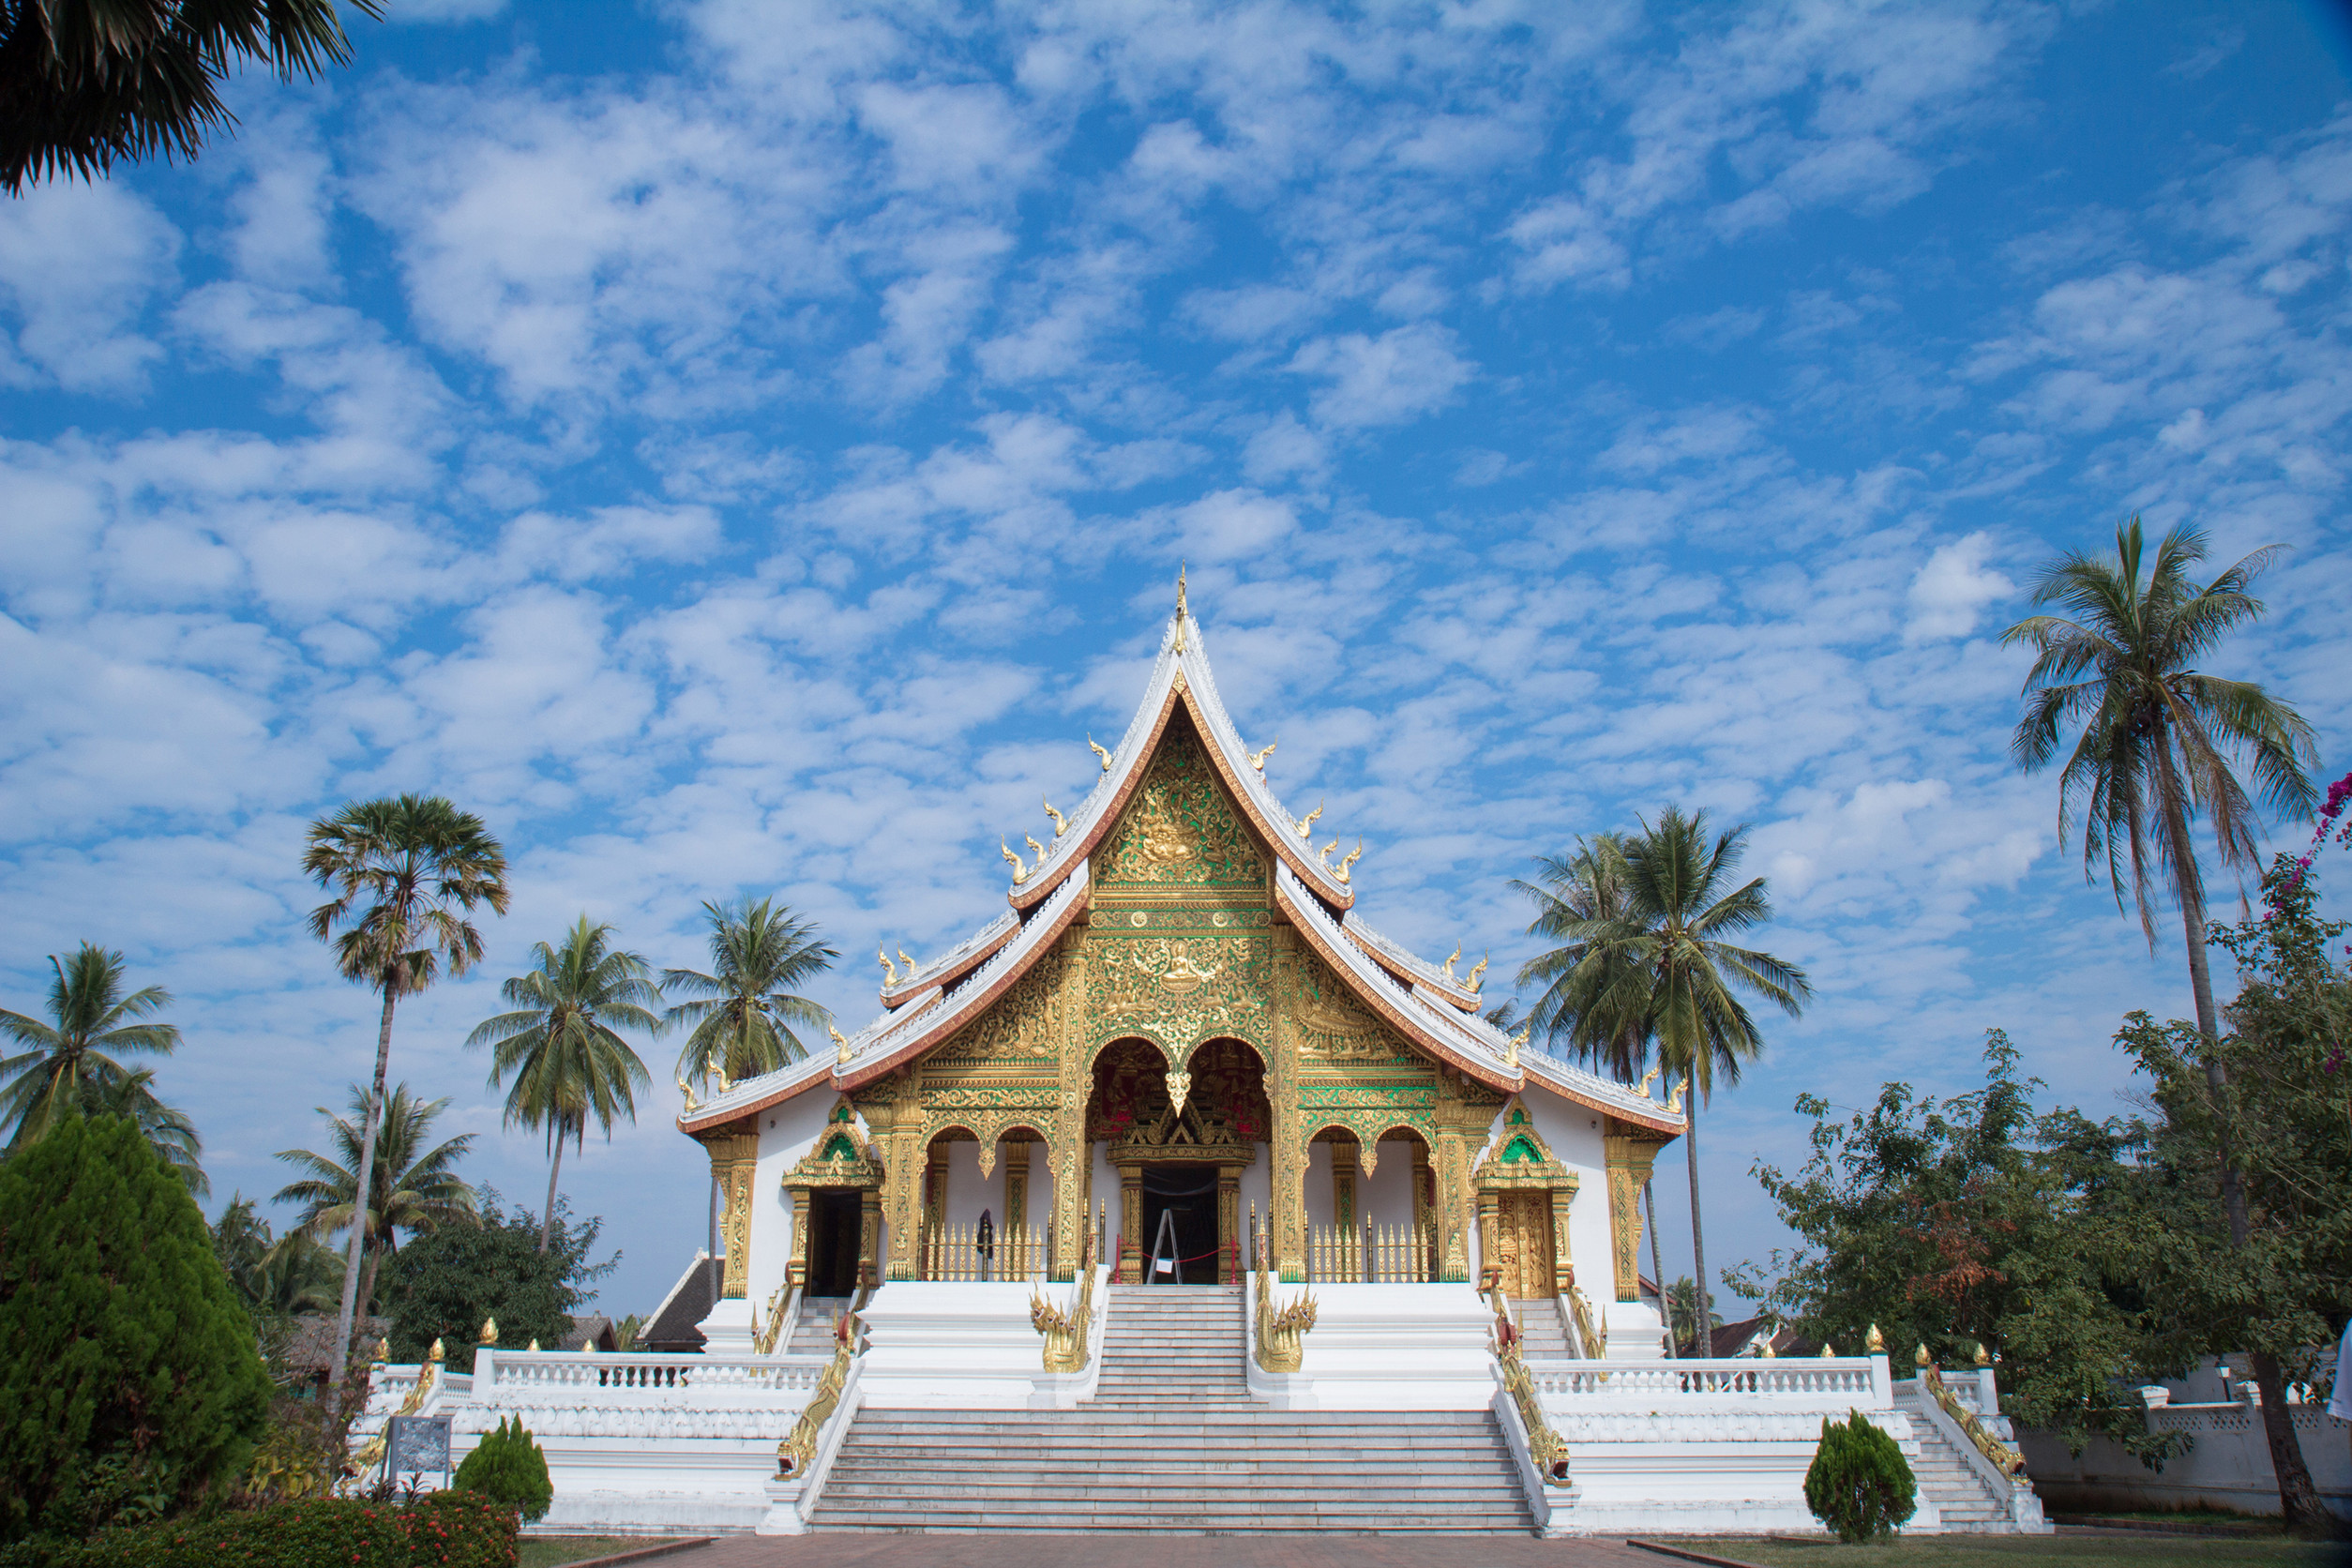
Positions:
(405, 872)
(409, 1188)
(169, 1132)
(88, 82)
(2158, 737)
(562, 1047)
(1649, 967)
(743, 1011)
(70, 1056)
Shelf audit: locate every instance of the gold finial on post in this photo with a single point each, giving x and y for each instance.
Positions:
(1061, 822)
(384, 1351)
(1098, 751)
(1348, 861)
(1021, 872)
(1876, 1344)
(534, 1346)
(1828, 1351)
(437, 1354)
(1983, 1356)
(841, 1045)
(1258, 758)
(890, 970)
(489, 1331)
(1919, 1357)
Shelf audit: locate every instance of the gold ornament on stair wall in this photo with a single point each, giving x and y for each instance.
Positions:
(489, 1331)
(1876, 1344)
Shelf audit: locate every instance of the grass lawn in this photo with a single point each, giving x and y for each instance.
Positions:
(2001, 1551)
(550, 1551)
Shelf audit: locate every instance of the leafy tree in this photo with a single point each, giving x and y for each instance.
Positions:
(70, 1057)
(1974, 1222)
(405, 872)
(568, 1062)
(1648, 964)
(442, 1286)
(2159, 737)
(88, 82)
(2282, 1115)
(741, 1018)
(122, 1346)
(411, 1187)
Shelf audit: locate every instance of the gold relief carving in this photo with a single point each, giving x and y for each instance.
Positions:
(1182, 989)
(734, 1157)
(1024, 1024)
(1179, 828)
(1628, 1154)
(1178, 1086)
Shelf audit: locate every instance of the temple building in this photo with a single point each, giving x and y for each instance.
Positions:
(1181, 1023)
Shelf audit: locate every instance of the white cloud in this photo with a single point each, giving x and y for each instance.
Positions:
(1952, 588)
(1392, 379)
(78, 264)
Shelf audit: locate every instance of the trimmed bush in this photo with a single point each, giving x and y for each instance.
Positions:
(1860, 1484)
(129, 1385)
(441, 1530)
(507, 1466)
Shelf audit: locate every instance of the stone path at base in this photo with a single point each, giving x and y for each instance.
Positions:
(1160, 1551)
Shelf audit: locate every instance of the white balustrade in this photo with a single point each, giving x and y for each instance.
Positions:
(1830, 1384)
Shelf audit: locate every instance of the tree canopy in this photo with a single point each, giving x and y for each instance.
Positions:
(442, 1286)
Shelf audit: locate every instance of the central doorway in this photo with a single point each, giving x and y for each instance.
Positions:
(833, 1223)
(1188, 1195)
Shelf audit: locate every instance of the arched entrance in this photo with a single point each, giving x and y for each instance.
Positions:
(1179, 1143)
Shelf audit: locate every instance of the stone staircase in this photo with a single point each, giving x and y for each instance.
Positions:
(812, 1332)
(1542, 1330)
(1969, 1506)
(1172, 1443)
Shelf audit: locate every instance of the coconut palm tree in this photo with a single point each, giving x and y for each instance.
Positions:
(286, 1276)
(743, 1012)
(410, 1187)
(72, 1056)
(562, 1047)
(2158, 737)
(1651, 967)
(169, 1132)
(88, 82)
(405, 872)
(1572, 893)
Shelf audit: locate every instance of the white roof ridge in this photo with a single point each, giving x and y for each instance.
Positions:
(1422, 968)
(924, 973)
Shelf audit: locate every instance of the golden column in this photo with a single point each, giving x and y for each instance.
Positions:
(1285, 1138)
(1130, 1226)
(1343, 1205)
(1071, 1158)
(734, 1157)
(797, 1262)
(1629, 1153)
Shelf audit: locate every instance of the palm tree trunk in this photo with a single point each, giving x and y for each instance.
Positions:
(2208, 1025)
(1657, 1268)
(359, 1195)
(368, 1286)
(546, 1224)
(1702, 1337)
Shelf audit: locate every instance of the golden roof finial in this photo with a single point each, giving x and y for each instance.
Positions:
(1258, 758)
(1348, 861)
(688, 1090)
(1306, 825)
(1650, 1078)
(1180, 590)
(1325, 853)
(908, 962)
(1452, 958)
(890, 970)
(1034, 847)
(841, 1044)
(1021, 872)
(1061, 822)
(1478, 972)
(489, 1331)
(1098, 751)
(1674, 1101)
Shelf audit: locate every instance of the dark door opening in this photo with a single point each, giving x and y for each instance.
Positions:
(1188, 1193)
(833, 1242)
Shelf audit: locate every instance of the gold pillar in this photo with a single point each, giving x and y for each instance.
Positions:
(1073, 1159)
(1563, 1267)
(1228, 1224)
(869, 1238)
(1628, 1154)
(1016, 1186)
(1343, 1204)
(733, 1160)
(797, 1262)
(1286, 1138)
(1423, 1205)
(1489, 1227)
(1130, 1226)
(934, 1202)
(1452, 1220)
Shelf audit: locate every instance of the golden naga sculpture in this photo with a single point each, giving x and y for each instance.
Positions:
(1451, 960)
(841, 1045)
(688, 1090)
(1099, 752)
(1674, 1101)
(1348, 862)
(1324, 855)
(1061, 822)
(1064, 1332)
(890, 970)
(1034, 847)
(1511, 1057)
(2003, 1457)
(1306, 825)
(1021, 872)
(798, 1451)
(908, 962)
(1258, 758)
(1647, 1078)
(1477, 973)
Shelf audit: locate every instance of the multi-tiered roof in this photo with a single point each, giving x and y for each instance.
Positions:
(1434, 1009)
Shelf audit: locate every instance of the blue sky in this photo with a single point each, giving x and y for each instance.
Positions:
(741, 448)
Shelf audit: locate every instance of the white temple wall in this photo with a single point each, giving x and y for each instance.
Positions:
(1319, 1193)
(1258, 1189)
(788, 1134)
(1573, 1133)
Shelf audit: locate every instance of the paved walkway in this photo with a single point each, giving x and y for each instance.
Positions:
(1161, 1551)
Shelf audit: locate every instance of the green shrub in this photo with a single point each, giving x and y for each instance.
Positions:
(507, 1465)
(441, 1530)
(461, 1530)
(129, 1385)
(1859, 1484)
